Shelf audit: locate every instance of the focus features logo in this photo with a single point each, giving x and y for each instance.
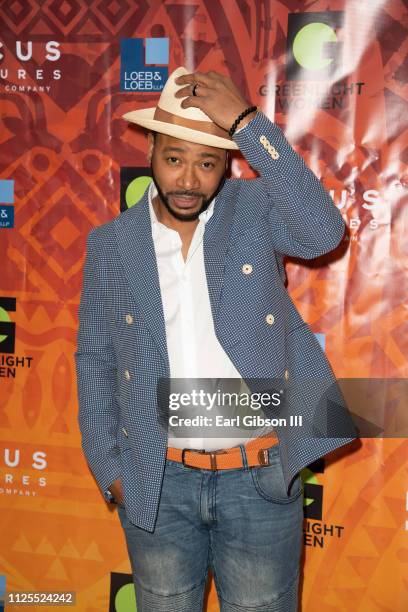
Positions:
(35, 71)
(353, 209)
(24, 51)
(22, 471)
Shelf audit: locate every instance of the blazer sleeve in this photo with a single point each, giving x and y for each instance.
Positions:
(96, 377)
(304, 219)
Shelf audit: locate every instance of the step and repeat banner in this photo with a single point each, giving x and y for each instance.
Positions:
(333, 75)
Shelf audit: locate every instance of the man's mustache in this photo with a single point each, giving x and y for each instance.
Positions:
(188, 194)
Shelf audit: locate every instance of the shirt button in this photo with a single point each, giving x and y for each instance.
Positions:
(125, 433)
(247, 268)
(127, 374)
(129, 319)
(286, 375)
(270, 319)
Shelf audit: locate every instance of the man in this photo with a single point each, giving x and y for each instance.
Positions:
(189, 284)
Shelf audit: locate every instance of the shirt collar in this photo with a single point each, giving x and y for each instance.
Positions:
(152, 192)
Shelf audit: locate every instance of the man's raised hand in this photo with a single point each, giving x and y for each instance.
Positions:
(216, 95)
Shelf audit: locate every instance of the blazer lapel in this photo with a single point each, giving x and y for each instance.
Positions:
(215, 246)
(138, 257)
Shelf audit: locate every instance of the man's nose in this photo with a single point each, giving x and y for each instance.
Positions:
(188, 179)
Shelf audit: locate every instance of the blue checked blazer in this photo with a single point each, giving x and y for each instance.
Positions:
(121, 343)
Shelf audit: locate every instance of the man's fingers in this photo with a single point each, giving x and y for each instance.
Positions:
(117, 491)
(194, 77)
(188, 91)
(184, 79)
(216, 75)
(201, 90)
(183, 92)
(193, 101)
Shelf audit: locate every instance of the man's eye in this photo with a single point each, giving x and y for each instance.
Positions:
(208, 165)
(173, 160)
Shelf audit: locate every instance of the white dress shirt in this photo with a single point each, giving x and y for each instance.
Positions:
(193, 348)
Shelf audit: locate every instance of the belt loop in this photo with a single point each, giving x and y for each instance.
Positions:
(263, 456)
(244, 457)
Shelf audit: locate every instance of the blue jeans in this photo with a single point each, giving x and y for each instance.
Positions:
(239, 522)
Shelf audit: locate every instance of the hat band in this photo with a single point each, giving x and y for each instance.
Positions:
(201, 126)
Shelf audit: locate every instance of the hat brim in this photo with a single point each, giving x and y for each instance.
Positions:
(144, 118)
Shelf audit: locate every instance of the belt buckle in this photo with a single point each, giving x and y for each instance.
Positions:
(202, 452)
(195, 450)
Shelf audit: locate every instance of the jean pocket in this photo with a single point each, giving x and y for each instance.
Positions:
(270, 484)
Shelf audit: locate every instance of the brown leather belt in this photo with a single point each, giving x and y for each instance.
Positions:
(225, 459)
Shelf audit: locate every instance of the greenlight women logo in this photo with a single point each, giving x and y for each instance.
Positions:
(309, 478)
(3, 318)
(313, 49)
(313, 493)
(122, 593)
(133, 184)
(7, 327)
(136, 189)
(125, 600)
(308, 46)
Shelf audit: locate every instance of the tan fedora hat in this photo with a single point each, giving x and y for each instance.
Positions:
(170, 118)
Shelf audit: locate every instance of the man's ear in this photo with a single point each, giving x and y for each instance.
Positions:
(150, 146)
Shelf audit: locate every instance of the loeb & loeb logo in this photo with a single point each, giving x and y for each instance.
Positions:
(144, 64)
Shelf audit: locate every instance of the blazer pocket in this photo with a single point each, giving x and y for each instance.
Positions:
(253, 234)
(251, 244)
(260, 229)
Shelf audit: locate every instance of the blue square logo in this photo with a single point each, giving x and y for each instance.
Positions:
(144, 64)
(157, 51)
(6, 191)
(6, 216)
(2, 592)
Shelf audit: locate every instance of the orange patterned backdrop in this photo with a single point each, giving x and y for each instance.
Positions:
(333, 74)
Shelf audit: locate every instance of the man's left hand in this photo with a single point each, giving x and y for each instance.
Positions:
(216, 95)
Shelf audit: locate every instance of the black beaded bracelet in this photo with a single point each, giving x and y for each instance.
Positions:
(240, 117)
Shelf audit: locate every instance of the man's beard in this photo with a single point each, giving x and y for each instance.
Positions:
(179, 193)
